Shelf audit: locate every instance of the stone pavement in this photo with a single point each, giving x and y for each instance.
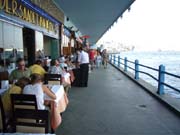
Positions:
(112, 104)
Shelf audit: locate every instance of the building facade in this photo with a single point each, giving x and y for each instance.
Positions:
(29, 30)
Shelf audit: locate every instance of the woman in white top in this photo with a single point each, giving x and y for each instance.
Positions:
(37, 88)
(98, 60)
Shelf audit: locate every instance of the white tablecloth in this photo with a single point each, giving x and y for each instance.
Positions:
(2, 91)
(58, 105)
(58, 90)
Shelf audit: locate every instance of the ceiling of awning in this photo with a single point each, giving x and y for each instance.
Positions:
(93, 17)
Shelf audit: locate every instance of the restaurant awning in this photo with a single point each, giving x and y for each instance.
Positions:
(93, 17)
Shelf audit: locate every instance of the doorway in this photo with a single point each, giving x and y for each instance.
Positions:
(29, 46)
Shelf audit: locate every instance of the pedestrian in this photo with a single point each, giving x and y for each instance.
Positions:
(105, 58)
(92, 58)
(98, 60)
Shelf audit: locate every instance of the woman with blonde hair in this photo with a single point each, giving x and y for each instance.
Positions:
(37, 88)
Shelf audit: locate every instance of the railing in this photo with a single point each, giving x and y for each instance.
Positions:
(117, 61)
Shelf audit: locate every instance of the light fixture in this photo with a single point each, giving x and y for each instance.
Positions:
(129, 9)
(67, 19)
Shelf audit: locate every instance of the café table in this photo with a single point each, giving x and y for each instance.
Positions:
(58, 105)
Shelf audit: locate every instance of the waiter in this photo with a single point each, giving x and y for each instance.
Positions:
(83, 60)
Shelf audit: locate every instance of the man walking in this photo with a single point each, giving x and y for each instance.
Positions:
(105, 58)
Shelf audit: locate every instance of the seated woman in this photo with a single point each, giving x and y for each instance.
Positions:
(65, 76)
(37, 88)
(55, 68)
(69, 64)
(14, 89)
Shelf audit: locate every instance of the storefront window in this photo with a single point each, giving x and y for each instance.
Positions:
(11, 44)
(39, 45)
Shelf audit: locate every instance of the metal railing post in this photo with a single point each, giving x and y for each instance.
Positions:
(114, 59)
(136, 69)
(161, 80)
(125, 64)
(111, 58)
(119, 61)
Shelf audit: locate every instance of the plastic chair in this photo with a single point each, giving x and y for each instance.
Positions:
(52, 78)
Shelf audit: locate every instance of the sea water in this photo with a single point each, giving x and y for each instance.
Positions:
(170, 59)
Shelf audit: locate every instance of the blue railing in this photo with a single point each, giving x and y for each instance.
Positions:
(126, 64)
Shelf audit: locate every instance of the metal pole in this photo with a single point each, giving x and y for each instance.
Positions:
(136, 69)
(161, 80)
(119, 61)
(125, 64)
(111, 58)
(114, 59)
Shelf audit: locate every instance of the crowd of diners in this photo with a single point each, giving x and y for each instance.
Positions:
(30, 80)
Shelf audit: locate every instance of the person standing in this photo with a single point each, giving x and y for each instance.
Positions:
(83, 60)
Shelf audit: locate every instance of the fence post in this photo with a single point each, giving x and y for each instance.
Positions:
(125, 64)
(111, 58)
(161, 80)
(114, 59)
(119, 61)
(136, 69)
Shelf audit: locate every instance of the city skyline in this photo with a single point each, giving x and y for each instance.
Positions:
(150, 25)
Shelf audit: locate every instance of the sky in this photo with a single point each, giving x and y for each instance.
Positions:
(150, 25)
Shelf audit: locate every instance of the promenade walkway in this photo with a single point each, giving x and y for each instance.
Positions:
(114, 105)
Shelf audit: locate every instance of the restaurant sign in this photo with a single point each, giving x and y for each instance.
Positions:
(16, 8)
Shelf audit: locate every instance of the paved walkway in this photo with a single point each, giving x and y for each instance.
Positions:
(114, 105)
